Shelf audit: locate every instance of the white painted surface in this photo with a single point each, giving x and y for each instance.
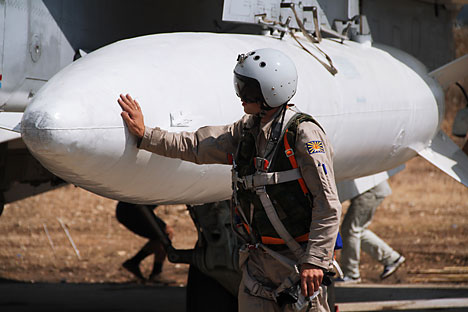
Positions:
(7, 135)
(451, 72)
(404, 305)
(447, 156)
(377, 112)
(10, 124)
(11, 121)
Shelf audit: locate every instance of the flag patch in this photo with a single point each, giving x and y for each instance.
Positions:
(315, 147)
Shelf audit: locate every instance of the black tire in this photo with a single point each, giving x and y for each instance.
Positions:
(205, 294)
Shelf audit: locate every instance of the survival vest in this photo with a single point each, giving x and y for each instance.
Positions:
(291, 199)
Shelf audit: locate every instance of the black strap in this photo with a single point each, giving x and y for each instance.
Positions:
(275, 134)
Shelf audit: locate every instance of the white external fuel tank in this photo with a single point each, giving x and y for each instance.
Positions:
(377, 111)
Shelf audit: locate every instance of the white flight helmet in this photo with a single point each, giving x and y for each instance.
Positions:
(266, 75)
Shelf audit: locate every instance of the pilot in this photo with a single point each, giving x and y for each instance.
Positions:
(131, 216)
(285, 201)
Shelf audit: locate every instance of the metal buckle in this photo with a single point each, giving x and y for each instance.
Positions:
(241, 58)
(247, 182)
(260, 190)
(252, 246)
(261, 164)
(289, 152)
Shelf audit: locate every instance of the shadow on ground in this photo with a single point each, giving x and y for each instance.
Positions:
(18, 296)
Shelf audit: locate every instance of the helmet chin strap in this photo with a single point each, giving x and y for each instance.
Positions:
(264, 108)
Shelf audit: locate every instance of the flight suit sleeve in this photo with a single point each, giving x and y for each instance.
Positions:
(314, 156)
(207, 145)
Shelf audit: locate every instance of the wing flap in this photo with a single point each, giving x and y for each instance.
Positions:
(10, 126)
(451, 72)
(11, 121)
(448, 157)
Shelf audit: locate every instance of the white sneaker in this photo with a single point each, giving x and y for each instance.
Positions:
(391, 268)
(348, 280)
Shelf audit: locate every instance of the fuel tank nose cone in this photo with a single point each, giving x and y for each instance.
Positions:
(37, 131)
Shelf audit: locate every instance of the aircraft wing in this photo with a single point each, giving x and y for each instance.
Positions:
(451, 72)
(443, 152)
(10, 126)
(448, 157)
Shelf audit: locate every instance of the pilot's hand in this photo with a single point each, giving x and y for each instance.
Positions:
(311, 278)
(132, 115)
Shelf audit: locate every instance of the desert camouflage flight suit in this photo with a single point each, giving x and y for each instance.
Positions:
(212, 144)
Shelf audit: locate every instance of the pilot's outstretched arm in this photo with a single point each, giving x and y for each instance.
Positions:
(207, 145)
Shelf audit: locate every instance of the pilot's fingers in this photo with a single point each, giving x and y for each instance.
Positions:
(126, 117)
(304, 287)
(311, 278)
(123, 105)
(137, 105)
(131, 101)
(123, 98)
(135, 113)
(127, 101)
(311, 286)
(314, 286)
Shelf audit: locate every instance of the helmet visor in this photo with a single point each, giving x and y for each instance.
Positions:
(248, 89)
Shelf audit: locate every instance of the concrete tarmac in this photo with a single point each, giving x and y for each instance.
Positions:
(52, 297)
(377, 296)
(55, 297)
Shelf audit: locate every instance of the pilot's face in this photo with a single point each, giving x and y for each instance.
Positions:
(251, 107)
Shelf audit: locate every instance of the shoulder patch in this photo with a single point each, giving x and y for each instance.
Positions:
(314, 147)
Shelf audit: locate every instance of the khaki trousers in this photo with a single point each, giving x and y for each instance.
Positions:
(268, 271)
(357, 236)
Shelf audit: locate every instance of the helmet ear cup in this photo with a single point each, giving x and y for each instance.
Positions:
(274, 71)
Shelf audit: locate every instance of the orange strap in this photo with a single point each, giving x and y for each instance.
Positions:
(246, 226)
(278, 241)
(290, 154)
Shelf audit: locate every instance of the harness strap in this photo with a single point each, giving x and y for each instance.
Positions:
(277, 224)
(290, 264)
(278, 241)
(239, 212)
(292, 159)
(255, 287)
(269, 178)
(245, 223)
(276, 130)
(258, 289)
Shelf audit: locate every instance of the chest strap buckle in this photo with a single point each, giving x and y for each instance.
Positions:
(261, 164)
(252, 246)
(289, 152)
